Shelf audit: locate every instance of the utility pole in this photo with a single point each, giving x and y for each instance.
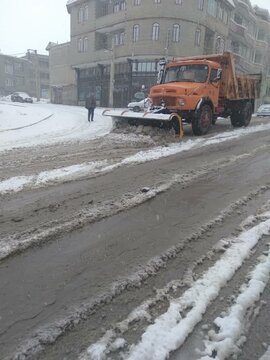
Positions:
(111, 76)
(33, 55)
(37, 73)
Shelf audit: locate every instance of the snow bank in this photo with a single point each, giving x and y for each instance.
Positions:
(21, 125)
(77, 171)
(18, 183)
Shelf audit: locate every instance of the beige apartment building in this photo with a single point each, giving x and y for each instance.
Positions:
(115, 45)
(249, 39)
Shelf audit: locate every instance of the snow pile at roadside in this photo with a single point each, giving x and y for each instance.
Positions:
(21, 125)
(18, 183)
(171, 329)
(77, 171)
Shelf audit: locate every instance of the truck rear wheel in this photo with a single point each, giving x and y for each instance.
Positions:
(203, 121)
(242, 117)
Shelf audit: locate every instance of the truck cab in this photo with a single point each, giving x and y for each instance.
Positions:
(183, 85)
(187, 87)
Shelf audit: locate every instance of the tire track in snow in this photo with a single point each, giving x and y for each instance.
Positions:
(16, 184)
(49, 334)
(19, 242)
(29, 125)
(171, 329)
(233, 326)
(111, 342)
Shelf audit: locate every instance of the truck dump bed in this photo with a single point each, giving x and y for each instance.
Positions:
(233, 86)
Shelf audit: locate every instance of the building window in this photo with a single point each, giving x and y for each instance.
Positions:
(119, 38)
(261, 35)
(18, 67)
(200, 4)
(239, 19)
(137, 2)
(198, 37)
(258, 58)
(8, 68)
(80, 45)
(143, 67)
(176, 33)
(116, 39)
(122, 38)
(235, 47)
(225, 16)
(136, 33)
(116, 7)
(80, 15)
(155, 32)
(9, 82)
(85, 44)
(123, 5)
(212, 7)
(220, 45)
(178, 2)
(86, 13)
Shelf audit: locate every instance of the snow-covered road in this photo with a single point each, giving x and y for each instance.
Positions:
(29, 125)
(129, 248)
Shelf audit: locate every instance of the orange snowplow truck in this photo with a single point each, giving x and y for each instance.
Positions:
(201, 88)
(196, 90)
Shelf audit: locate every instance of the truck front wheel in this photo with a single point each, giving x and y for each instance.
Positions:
(203, 121)
(242, 117)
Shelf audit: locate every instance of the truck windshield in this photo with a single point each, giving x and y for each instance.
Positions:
(186, 73)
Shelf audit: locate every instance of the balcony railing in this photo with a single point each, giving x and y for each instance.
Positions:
(237, 28)
(243, 65)
(261, 44)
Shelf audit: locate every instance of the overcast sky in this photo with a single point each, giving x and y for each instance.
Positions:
(31, 24)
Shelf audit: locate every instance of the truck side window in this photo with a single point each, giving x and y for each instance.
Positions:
(215, 74)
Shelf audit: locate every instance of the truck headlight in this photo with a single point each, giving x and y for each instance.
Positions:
(181, 102)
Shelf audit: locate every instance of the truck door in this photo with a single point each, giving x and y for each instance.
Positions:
(214, 83)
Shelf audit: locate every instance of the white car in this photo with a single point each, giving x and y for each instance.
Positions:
(139, 105)
(21, 97)
(264, 110)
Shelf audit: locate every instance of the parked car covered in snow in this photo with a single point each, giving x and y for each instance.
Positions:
(263, 110)
(21, 97)
(139, 105)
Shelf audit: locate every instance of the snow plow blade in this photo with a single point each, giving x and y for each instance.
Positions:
(158, 120)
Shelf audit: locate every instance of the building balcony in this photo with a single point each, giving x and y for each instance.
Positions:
(110, 21)
(261, 44)
(237, 28)
(245, 66)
